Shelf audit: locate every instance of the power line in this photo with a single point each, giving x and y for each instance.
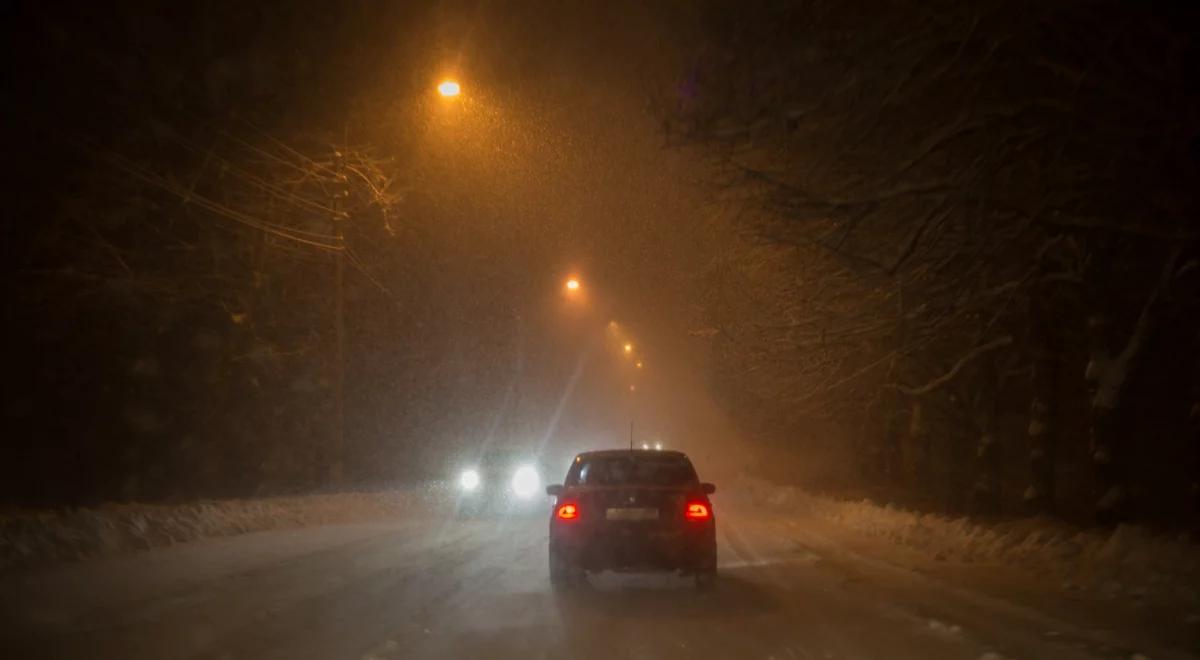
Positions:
(283, 145)
(254, 180)
(190, 196)
(357, 263)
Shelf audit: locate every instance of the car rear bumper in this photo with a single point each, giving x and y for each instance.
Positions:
(693, 549)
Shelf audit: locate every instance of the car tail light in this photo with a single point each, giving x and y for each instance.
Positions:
(697, 511)
(568, 511)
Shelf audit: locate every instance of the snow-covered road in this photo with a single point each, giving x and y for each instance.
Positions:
(431, 587)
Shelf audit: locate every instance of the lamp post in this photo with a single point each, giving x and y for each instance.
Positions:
(340, 193)
(449, 89)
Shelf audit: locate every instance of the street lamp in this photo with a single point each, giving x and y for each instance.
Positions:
(572, 284)
(628, 348)
(639, 364)
(449, 88)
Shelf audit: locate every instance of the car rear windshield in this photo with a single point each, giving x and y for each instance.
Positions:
(647, 470)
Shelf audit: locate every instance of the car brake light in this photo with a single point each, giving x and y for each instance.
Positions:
(696, 511)
(568, 511)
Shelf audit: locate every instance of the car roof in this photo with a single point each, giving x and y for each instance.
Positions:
(630, 453)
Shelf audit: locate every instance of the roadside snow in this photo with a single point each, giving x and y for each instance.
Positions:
(28, 537)
(1127, 561)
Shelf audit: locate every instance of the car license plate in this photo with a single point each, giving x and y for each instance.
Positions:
(631, 514)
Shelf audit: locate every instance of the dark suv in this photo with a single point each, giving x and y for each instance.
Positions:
(632, 510)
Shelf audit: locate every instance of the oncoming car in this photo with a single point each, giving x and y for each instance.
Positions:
(501, 481)
(629, 511)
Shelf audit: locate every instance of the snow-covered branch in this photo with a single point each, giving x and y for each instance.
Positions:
(932, 385)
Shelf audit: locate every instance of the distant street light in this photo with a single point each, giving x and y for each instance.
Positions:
(449, 88)
(628, 348)
(639, 364)
(573, 284)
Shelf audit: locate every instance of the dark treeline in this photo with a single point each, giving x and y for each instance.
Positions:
(960, 237)
(970, 241)
(185, 175)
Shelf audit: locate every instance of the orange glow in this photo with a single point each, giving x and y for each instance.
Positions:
(639, 364)
(568, 511)
(628, 348)
(697, 511)
(572, 284)
(449, 88)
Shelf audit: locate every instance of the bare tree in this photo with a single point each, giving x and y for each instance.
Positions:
(935, 210)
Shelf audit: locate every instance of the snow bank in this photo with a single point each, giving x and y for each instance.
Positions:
(1125, 561)
(28, 537)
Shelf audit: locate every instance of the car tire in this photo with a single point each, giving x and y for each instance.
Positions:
(706, 572)
(564, 575)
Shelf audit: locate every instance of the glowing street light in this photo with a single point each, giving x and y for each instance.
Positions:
(639, 364)
(628, 348)
(572, 284)
(449, 88)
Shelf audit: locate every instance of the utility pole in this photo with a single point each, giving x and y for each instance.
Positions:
(340, 192)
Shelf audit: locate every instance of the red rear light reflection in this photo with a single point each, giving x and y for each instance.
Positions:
(568, 511)
(696, 511)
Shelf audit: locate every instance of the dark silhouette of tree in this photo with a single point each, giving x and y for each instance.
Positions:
(948, 192)
(171, 291)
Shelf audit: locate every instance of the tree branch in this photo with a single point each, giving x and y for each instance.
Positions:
(958, 366)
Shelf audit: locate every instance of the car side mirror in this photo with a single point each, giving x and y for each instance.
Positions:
(554, 490)
(708, 489)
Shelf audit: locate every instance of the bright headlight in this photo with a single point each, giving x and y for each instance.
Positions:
(468, 480)
(526, 482)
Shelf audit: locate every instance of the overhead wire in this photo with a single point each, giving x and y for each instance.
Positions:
(263, 152)
(256, 181)
(362, 268)
(283, 145)
(190, 196)
(93, 55)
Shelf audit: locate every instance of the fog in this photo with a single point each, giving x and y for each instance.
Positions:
(466, 216)
(265, 255)
(673, 329)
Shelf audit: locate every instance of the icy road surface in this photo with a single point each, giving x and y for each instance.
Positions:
(427, 587)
